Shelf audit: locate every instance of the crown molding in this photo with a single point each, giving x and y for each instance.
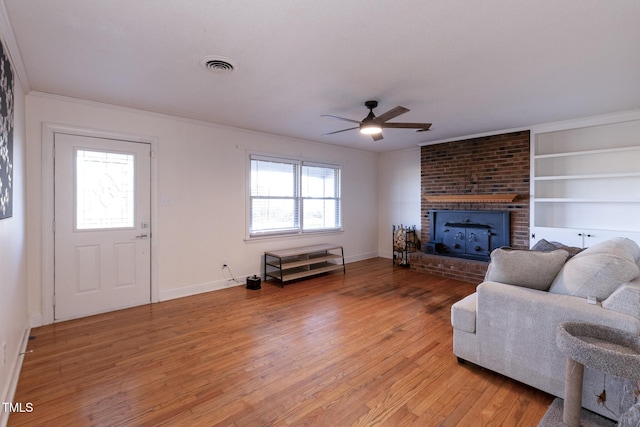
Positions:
(12, 50)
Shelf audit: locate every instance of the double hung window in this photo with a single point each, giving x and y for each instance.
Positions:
(289, 196)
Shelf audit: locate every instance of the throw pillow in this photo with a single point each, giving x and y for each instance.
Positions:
(529, 269)
(594, 274)
(546, 246)
(619, 246)
(573, 250)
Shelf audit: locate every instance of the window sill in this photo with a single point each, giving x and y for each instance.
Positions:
(292, 236)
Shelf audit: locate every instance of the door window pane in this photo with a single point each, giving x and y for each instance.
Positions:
(104, 190)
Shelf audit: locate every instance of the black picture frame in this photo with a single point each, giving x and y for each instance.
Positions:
(6, 135)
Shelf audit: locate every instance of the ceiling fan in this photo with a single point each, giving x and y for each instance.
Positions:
(372, 125)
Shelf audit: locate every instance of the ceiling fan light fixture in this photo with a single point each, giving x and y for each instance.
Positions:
(372, 125)
(370, 129)
(368, 126)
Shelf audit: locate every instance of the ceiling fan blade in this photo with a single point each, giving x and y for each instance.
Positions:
(419, 126)
(340, 118)
(338, 131)
(394, 112)
(377, 136)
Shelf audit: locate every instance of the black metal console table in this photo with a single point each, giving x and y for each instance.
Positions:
(296, 263)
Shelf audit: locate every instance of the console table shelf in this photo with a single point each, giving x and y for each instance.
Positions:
(296, 263)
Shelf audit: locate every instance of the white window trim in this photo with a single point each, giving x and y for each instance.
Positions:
(251, 155)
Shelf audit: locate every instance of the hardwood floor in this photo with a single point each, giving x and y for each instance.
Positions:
(372, 347)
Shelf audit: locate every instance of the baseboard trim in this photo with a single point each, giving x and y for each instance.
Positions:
(360, 257)
(187, 291)
(16, 367)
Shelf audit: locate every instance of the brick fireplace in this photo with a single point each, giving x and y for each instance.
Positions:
(480, 170)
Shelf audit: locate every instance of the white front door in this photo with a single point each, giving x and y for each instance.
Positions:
(102, 214)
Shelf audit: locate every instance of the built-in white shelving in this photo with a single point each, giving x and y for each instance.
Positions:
(585, 181)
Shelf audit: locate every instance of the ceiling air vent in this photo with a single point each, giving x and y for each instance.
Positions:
(218, 64)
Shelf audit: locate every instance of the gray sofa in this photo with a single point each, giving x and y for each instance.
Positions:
(509, 324)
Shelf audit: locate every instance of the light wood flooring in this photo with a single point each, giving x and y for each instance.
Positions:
(372, 347)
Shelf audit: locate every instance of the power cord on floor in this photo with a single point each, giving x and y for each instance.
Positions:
(225, 266)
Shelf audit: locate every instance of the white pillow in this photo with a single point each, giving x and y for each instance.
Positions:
(619, 246)
(594, 275)
(530, 269)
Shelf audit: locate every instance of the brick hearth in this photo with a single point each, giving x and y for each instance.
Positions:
(454, 268)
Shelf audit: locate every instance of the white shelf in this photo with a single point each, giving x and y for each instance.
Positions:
(576, 200)
(587, 152)
(589, 176)
(606, 164)
(621, 133)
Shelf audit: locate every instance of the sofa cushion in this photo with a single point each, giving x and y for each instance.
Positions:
(463, 314)
(530, 269)
(594, 274)
(625, 299)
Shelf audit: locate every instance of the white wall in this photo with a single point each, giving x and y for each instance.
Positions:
(13, 270)
(398, 194)
(201, 167)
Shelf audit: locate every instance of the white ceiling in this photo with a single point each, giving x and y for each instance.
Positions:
(468, 67)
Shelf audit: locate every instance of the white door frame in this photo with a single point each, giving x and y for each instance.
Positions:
(48, 132)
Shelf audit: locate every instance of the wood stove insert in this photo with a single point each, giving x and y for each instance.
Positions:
(470, 234)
